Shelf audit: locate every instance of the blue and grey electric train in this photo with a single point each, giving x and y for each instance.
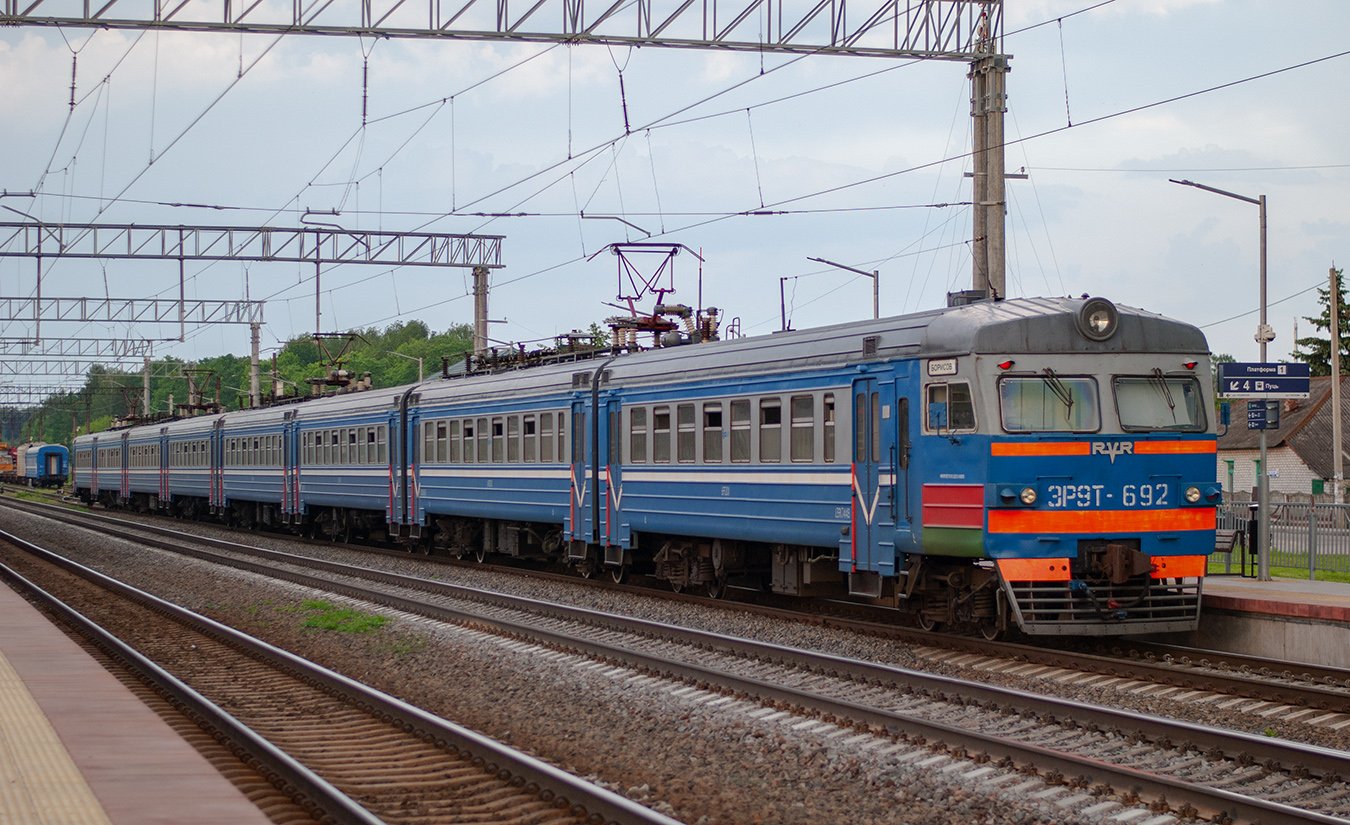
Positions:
(1040, 464)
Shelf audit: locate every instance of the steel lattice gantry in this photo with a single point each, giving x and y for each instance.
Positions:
(941, 29)
(130, 310)
(309, 244)
(318, 245)
(64, 369)
(117, 349)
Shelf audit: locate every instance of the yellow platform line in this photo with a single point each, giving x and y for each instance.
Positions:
(39, 783)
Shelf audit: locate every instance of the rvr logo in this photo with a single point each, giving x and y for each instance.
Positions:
(1112, 449)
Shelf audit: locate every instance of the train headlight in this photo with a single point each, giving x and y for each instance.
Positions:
(1098, 319)
(1028, 496)
(1192, 495)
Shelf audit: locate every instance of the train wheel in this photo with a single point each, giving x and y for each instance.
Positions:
(618, 574)
(991, 632)
(715, 589)
(927, 622)
(480, 554)
(586, 568)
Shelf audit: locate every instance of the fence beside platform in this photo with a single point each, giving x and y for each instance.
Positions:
(1308, 540)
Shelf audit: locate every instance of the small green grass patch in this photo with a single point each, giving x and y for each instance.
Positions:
(323, 615)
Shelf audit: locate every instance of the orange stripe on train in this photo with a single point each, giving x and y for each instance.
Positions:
(1026, 448)
(1100, 521)
(1051, 448)
(1174, 447)
(1057, 570)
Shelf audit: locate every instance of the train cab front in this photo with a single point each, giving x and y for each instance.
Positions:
(1102, 499)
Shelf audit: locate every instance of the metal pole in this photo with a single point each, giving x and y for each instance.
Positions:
(1338, 469)
(875, 275)
(1263, 486)
(1264, 335)
(480, 306)
(979, 192)
(254, 392)
(145, 387)
(318, 273)
(995, 184)
(782, 305)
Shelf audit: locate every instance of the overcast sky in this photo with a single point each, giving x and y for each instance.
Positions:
(262, 129)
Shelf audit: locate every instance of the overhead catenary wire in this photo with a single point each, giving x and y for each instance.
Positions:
(728, 213)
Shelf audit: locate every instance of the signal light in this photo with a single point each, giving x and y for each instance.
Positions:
(1006, 365)
(1190, 365)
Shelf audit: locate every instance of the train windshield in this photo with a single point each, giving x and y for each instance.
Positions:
(1158, 402)
(1048, 403)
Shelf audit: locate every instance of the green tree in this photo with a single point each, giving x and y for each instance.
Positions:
(1315, 351)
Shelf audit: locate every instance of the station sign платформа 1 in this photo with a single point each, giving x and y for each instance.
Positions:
(1264, 381)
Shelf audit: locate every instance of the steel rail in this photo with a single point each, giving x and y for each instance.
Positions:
(1177, 673)
(1201, 658)
(312, 792)
(1236, 745)
(577, 793)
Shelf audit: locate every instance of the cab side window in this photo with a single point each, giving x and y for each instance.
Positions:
(949, 407)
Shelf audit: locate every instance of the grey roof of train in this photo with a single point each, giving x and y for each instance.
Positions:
(1017, 325)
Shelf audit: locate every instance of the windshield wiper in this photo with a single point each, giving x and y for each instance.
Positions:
(1061, 391)
(1160, 384)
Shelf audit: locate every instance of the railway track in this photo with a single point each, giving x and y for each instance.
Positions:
(1219, 774)
(1306, 693)
(347, 753)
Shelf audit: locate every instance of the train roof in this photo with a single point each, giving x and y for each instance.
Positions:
(1013, 326)
(1027, 325)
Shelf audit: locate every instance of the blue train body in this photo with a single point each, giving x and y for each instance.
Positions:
(1040, 463)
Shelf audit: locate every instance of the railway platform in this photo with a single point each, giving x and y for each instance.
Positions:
(78, 748)
(1294, 619)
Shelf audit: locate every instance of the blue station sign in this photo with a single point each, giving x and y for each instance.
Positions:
(1269, 381)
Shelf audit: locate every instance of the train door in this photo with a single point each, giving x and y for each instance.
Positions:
(93, 467)
(869, 554)
(404, 461)
(288, 453)
(125, 492)
(616, 532)
(581, 523)
(163, 467)
(901, 511)
(291, 473)
(216, 459)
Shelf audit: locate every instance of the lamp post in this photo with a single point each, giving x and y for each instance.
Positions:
(416, 358)
(1264, 335)
(875, 275)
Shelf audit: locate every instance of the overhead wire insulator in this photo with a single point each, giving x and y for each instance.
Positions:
(623, 100)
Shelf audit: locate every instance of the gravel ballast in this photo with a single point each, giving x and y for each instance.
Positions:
(698, 756)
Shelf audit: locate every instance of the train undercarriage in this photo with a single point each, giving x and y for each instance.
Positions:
(1110, 581)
